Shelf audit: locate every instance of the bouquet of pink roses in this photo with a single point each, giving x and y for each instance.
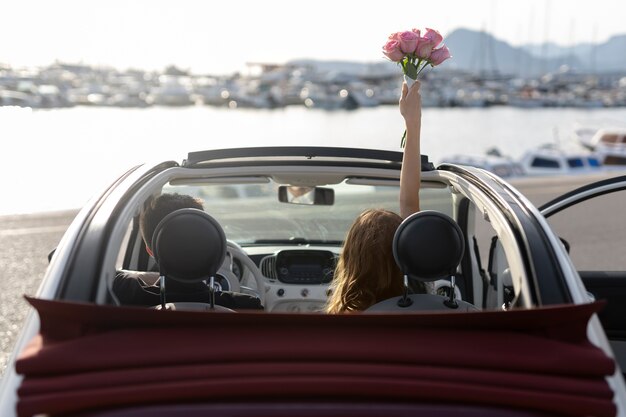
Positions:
(415, 52)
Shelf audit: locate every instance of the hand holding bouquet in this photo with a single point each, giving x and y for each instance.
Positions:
(414, 53)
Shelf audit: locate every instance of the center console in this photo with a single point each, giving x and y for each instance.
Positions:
(305, 266)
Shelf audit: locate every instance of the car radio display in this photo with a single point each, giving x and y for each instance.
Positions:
(305, 266)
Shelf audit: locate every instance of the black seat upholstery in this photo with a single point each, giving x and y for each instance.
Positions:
(427, 246)
(190, 246)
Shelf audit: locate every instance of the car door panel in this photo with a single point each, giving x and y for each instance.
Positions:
(590, 219)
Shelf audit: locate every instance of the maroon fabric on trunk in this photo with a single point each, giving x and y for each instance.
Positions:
(89, 357)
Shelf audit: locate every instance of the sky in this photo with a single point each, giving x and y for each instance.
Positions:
(221, 37)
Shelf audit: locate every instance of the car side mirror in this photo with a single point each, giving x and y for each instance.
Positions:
(293, 194)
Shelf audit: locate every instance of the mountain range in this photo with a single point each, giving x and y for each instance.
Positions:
(480, 52)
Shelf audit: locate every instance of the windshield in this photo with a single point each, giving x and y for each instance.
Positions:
(252, 214)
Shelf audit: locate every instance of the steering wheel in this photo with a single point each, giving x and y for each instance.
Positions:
(226, 272)
(249, 266)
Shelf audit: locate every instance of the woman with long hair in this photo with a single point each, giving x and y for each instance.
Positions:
(366, 272)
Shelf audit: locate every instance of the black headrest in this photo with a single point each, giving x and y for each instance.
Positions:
(428, 245)
(189, 245)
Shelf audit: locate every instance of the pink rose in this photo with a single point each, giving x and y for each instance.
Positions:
(394, 36)
(416, 31)
(408, 41)
(392, 51)
(439, 55)
(424, 48)
(433, 36)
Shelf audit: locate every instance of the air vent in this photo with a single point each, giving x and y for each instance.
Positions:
(268, 266)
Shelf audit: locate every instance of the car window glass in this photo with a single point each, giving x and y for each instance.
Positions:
(251, 212)
(122, 253)
(595, 230)
(594, 162)
(614, 160)
(575, 162)
(545, 163)
(493, 286)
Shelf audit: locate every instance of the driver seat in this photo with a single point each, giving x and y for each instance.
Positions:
(189, 246)
(427, 246)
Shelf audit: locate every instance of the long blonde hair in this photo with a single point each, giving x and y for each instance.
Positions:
(366, 272)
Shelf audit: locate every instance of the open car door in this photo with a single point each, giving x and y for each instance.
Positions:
(591, 221)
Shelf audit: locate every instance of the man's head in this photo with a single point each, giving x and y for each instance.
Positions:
(157, 208)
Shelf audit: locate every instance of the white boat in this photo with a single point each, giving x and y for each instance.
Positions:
(609, 144)
(591, 137)
(170, 95)
(612, 155)
(16, 98)
(583, 135)
(493, 161)
(553, 159)
(363, 96)
(171, 91)
(326, 97)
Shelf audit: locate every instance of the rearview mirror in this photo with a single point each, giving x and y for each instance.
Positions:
(306, 195)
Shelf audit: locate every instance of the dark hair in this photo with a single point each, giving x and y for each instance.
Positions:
(155, 209)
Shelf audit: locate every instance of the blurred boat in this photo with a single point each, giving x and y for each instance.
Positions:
(492, 161)
(171, 91)
(16, 98)
(553, 159)
(592, 138)
(608, 143)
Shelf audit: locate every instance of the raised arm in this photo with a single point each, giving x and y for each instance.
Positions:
(410, 176)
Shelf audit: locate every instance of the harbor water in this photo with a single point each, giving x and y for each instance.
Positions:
(56, 159)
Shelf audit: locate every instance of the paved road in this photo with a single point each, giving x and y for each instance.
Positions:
(26, 240)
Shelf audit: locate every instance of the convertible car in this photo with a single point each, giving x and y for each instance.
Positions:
(508, 325)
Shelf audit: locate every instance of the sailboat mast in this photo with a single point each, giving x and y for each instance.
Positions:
(544, 49)
(570, 55)
(592, 58)
(492, 52)
(530, 37)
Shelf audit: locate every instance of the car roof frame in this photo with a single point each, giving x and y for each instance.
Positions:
(310, 155)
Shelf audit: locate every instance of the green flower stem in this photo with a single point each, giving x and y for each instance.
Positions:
(422, 69)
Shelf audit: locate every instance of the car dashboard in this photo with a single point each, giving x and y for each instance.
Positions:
(296, 279)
